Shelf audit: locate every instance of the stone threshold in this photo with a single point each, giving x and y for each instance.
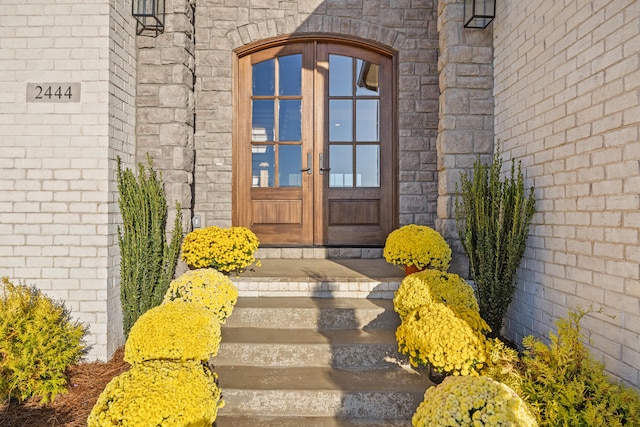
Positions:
(314, 252)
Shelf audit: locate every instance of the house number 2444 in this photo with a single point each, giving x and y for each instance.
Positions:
(53, 92)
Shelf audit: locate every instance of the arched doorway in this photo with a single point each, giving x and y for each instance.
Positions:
(315, 142)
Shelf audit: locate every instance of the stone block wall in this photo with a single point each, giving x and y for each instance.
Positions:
(165, 105)
(407, 26)
(567, 92)
(58, 198)
(465, 129)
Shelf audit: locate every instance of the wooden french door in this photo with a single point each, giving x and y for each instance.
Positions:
(314, 149)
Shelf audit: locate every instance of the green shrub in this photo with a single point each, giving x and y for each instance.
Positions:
(428, 286)
(147, 262)
(38, 342)
(159, 393)
(176, 330)
(492, 217)
(503, 365)
(207, 287)
(565, 386)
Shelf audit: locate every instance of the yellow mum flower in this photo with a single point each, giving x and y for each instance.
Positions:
(417, 245)
(207, 287)
(472, 402)
(433, 286)
(176, 330)
(225, 249)
(159, 393)
(446, 336)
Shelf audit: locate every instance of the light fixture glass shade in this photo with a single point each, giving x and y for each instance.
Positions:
(149, 14)
(479, 13)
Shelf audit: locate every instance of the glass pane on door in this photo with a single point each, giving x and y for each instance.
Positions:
(290, 165)
(340, 120)
(263, 166)
(367, 120)
(367, 78)
(368, 165)
(263, 120)
(341, 70)
(340, 166)
(290, 81)
(263, 80)
(290, 123)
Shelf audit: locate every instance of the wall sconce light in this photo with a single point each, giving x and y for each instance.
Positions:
(150, 16)
(479, 13)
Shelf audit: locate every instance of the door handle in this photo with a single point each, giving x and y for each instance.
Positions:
(309, 164)
(322, 168)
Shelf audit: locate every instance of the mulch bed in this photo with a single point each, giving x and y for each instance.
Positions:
(86, 382)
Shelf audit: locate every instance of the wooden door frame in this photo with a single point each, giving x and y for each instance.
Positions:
(318, 38)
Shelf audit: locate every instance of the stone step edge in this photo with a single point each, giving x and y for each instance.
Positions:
(224, 420)
(368, 405)
(316, 289)
(318, 253)
(398, 377)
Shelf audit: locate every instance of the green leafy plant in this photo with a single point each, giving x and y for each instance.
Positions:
(565, 386)
(493, 217)
(147, 262)
(207, 287)
(160, 393)
(38, 342)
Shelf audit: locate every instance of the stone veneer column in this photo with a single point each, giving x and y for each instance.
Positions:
(465, 128)
(165, 104)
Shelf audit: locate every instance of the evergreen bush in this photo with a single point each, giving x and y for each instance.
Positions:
(565, 386)
(38, 342)
(493, 217)
(147, 262)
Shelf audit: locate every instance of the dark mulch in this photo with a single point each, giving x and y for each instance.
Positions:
(86, 382)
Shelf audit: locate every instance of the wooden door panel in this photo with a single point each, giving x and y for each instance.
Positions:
(354, 212)
(277, 212)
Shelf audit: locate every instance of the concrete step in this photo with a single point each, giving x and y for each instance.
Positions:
(393, 393)
(348, 349)
(309, 362)
(324, 278)
(314, 313)
(262, 421)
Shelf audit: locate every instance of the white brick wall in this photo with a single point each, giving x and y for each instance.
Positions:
(57, 191)
(567, 91)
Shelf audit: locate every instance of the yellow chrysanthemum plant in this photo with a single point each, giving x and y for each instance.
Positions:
(159, 393)
(228, 250)
(472, 402)
(175, 330)
(206, 287)
(429, 286)
(170, 382)
(449, 338)
(419, 246)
